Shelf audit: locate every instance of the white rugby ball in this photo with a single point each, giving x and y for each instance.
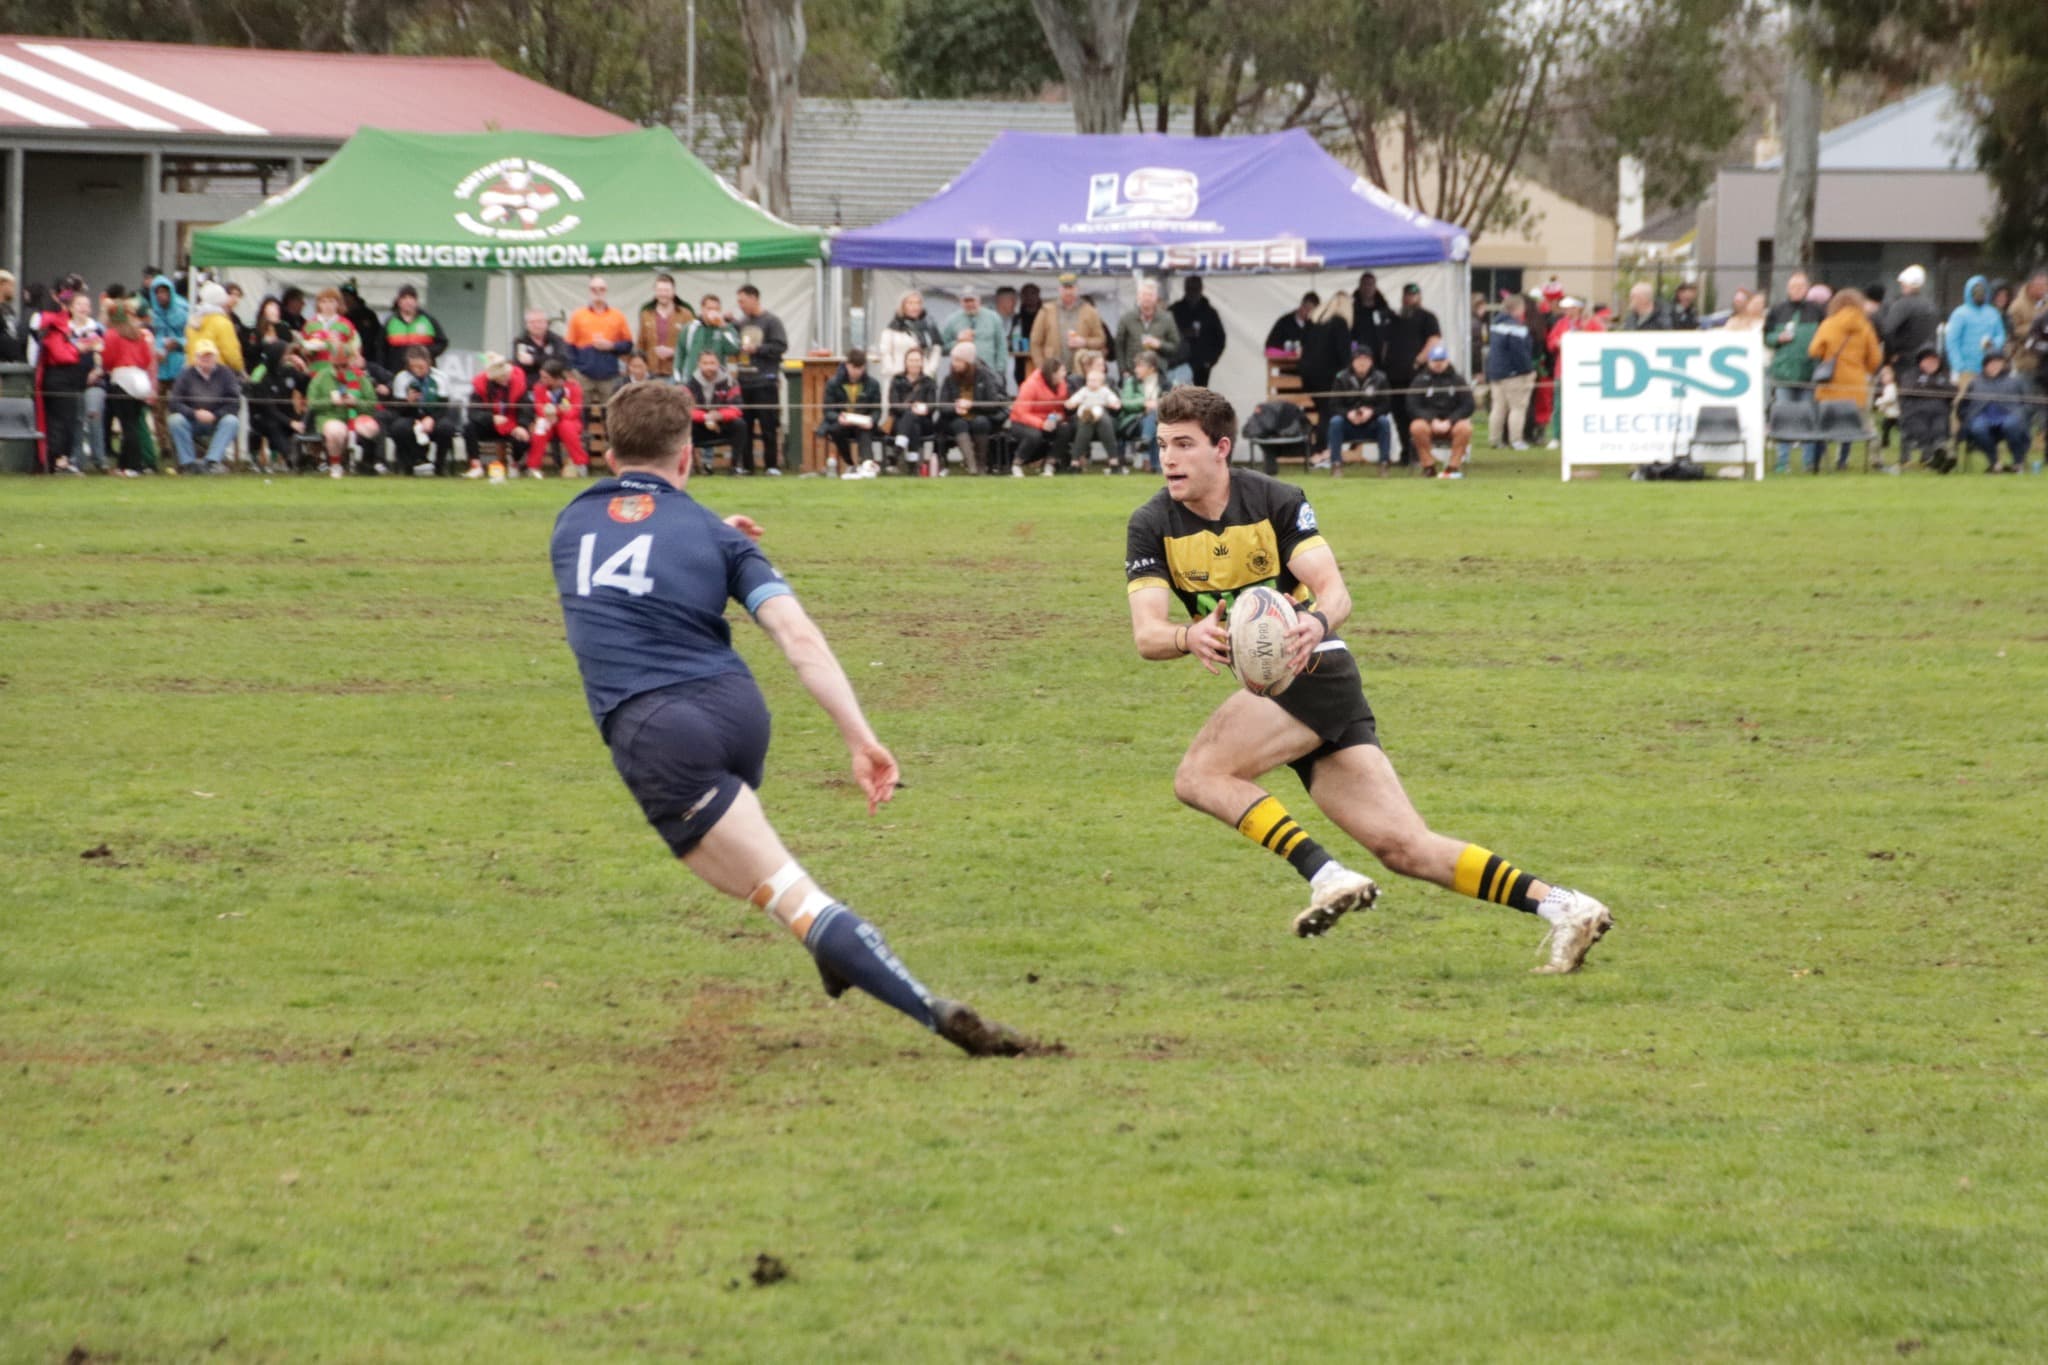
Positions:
(1259, 621)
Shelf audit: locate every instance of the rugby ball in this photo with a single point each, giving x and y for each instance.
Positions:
(1259, 621)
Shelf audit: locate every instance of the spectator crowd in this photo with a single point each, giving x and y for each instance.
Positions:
(132, 382)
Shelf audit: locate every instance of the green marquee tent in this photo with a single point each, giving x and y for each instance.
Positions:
(525, 202)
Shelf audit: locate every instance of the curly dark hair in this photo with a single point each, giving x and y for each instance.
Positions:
(1206, 408)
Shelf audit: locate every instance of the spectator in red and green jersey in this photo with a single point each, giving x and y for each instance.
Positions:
(328, 336)
(410, 325)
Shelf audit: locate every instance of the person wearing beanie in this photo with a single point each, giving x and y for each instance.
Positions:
(210, 322)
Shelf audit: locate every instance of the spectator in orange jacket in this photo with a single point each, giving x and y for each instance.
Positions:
(1038, 419)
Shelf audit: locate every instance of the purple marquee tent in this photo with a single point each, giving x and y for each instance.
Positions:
(1037, 203)
(1263, 218)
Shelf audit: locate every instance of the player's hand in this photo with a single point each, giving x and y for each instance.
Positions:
(1209, 640)
(1308, 632)
(874, 767)
(745, 525)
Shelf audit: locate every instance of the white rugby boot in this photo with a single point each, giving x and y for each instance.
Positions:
(1335, 893)
(1580, 923)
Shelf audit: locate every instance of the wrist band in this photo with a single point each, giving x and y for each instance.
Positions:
(1320, 617)
(1182, 643)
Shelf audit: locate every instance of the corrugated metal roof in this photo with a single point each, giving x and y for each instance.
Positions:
(858, 162)
(1930, 131)
(83, 86)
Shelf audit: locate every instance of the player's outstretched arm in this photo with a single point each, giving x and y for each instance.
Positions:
(803, 644)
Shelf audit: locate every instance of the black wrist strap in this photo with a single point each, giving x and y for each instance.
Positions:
(1327, 632)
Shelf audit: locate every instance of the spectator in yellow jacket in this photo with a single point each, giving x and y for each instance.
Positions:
(210, 322)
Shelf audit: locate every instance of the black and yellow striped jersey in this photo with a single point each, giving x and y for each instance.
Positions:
(1266, 523)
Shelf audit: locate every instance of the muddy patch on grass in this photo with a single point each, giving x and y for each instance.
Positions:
(684, 1077)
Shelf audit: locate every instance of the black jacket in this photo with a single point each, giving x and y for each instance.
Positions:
(844, 394)
(903, 391)
(1201, 331)
(13, 342)
(1289, 332)
(1442, 397)
(1907, 324)
(529, 356)
(987, 392)
(1406, 336)
(1368, 391)
(770, 341)
(1325, 354)
(1926, 402)
(1370, 320)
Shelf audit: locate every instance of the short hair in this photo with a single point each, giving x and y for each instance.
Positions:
(1311, 298)
(1206, 408)
(857, 357)
(638, 355)
(709, 298)
(1005, 289)
(553, 367)
(406, 291)
(330, 292)
(413, 353)
(908, 352)
(661, 275)
(748, 291)
(648, 423)
(1051, 362)
(1145, 358)
(1085, 357)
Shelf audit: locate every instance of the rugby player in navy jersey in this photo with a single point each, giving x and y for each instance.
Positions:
(644, 572)
(1213, 532)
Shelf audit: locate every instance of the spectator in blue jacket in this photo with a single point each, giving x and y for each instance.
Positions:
(167, 318)
(1975, 330)
(1511, 374)
(1994, 409)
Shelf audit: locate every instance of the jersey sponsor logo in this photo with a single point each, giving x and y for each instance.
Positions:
(637, 507)
(1305, 519)
(1222, 549)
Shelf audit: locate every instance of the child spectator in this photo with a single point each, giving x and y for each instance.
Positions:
(129, 357)
(638, 371)
(328, 337)
(277, 381)
(557, 407)
(1093, 405)
(340, 402)
(1926, 407)
(1138, 418)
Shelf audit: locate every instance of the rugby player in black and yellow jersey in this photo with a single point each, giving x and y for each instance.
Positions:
(1214, 531)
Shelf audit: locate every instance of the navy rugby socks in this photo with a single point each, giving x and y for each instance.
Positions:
(849, 948)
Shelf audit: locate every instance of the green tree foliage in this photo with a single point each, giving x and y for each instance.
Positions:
(1999, 54)
(969, 49)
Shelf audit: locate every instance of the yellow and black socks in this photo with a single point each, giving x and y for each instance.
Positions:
(1268, 825)
(1487, 876)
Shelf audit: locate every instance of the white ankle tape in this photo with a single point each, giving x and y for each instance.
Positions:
(769, 893)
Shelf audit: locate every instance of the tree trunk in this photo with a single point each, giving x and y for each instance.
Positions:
(1091, 50)
(1799, 171)
(774, 34)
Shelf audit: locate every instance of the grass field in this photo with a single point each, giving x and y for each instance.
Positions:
(386, 1031)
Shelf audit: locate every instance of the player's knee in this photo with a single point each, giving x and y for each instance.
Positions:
(1189, 779)
(1402, 853)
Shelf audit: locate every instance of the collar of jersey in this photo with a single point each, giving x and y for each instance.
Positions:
(645, 483)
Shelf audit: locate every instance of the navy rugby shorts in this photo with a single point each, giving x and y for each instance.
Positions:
(684, 752)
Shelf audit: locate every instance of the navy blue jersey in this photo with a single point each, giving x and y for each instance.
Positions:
(644, 571)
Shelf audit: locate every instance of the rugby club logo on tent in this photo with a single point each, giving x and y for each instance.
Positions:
(515, 199)
(1147, 192)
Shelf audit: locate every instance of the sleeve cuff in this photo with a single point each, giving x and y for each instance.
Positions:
(761, 594)
(1307, 543)
(1138, 585)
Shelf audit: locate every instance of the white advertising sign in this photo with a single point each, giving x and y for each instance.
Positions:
(1636, 397)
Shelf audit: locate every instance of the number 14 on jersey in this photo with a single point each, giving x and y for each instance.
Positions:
(626, 569)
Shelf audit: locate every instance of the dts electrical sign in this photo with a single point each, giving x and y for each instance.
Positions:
(1635, 397)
